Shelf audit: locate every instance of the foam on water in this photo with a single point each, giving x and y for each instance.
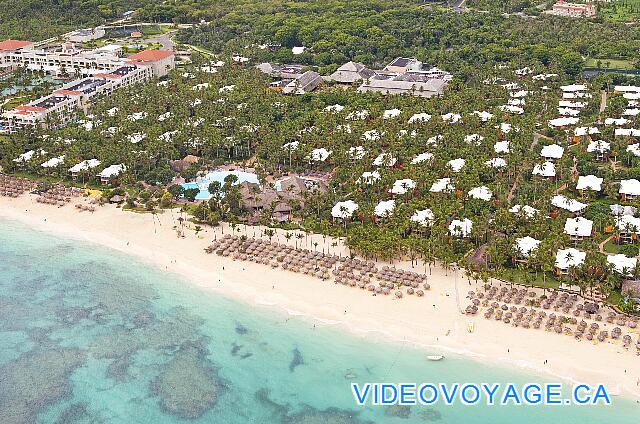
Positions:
(88, 335)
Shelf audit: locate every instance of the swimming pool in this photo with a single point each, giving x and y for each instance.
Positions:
(202, 183)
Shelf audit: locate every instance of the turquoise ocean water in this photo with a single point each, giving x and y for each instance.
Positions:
(88, 335)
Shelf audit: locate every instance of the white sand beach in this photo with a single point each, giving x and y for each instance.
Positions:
(433, 321)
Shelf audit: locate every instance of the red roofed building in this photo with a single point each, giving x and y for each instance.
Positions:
(574, 10)
(161, 61)
(13, 45)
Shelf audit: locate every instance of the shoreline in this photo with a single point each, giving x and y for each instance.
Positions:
(431, 323)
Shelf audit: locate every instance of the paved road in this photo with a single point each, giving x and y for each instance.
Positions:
(166, 40)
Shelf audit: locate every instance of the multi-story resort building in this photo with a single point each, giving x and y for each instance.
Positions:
(573, 10)
(101, 74)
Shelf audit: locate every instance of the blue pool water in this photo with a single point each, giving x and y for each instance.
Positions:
(88, 335)
(203, 182)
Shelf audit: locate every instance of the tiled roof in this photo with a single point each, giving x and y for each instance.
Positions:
(9, 45)
(151, 55)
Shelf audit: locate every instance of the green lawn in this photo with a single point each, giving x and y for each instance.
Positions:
(612, 247)
(609, 63)
(526, 277)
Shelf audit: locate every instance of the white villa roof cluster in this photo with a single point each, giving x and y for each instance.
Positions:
(385, 159)
(482, 193)
(84, 166)
(570, 205)
(629, 132)
(563, 122)
(496, 163)
(419, 117)
(511, 109)
(483, 115)
(526, 245)
(634, 149)
(619, 210)
(423, 217)
(112, 171)
(628, 224)
(344, 209)
(547, 169)
(566, 258)
(403, 186)
(451, 117)
(589, 182)
(320, 155)
(616, 121)
(527, 210)
(580, 131)
(384, 208)
(501, 146)
(622, 264)
(456, 164)
(52, 163)
(598, 146)
(565, 111)
(443, 184)
(573, 88)
(630, 187)
(459, 228)
(391, 113)
(578, 227)
(552, 151)
(334, 108)
(422, 157)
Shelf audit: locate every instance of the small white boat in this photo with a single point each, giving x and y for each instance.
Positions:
(435, 357)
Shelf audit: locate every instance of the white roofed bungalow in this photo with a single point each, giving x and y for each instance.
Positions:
(578, 228)
(634, 149)
(589, 182)
(600, 148)
(110, 173)
(628, 228)
(552, 152)
(401, 187)
(384, 208)
(423, 218)
(524, 246)
(85, 165)
(54, 162)
(481, 193)
(497, 163)
(501, 146)
(442, 185)
(460, 228)
(563, 122)
(456, 165)
(567, 258)
(391, 113)
(419, 117)
(629, 190)
(344, 210)
(525, 210)
(622, 264)
(567, 204)
(545, 170)
(422, 157)
(385, 159)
